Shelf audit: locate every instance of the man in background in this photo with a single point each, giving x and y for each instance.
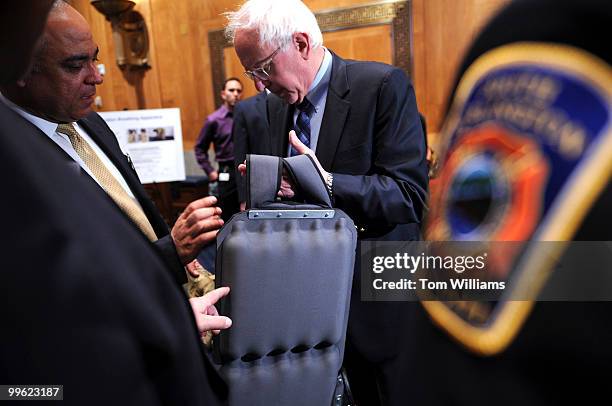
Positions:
(217, 130)
(56, 96)
(86, 302)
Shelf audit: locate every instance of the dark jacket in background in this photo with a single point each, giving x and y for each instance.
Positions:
(250, 126)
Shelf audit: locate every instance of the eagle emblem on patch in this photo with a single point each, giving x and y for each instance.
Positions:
(526, 151)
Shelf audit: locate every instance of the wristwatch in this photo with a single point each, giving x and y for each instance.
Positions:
(329, 181)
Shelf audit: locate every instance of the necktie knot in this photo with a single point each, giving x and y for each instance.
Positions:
(306, 106)
(74, 137)
(302, 123)
(71, 132)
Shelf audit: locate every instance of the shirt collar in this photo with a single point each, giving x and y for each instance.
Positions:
(47, 127)
(319, 85)
(224, 111)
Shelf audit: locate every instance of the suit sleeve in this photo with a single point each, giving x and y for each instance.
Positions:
(394, 190)
(241, 140)
(167, 249)
(203, 143)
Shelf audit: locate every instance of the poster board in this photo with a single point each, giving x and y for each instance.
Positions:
(153, 139)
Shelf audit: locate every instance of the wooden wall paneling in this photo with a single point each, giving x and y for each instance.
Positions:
(182, 30)
(213, 10)
(207, 105)
(212, 19)
(319, 5)
(178, 61)
(233, 68)
(201, 83)
(115, 90)
(122, 89)
(181, 64)
(106, 56)
(442, 32)
(419, 72)
(150, 79)
(375, 31)
(367, 44)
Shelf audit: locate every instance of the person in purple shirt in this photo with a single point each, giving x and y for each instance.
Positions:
(218, 131)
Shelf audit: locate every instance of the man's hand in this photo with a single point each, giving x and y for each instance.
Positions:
(242, 168)
(194, 268)
(196, 227)
(213, 176)
(205, 313)
(286, 189)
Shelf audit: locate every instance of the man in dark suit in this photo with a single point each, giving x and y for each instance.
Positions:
(250, 134)
(60, 90)
(361, 119)
(86, 302)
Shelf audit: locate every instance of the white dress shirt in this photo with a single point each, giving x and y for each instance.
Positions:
(49, 129)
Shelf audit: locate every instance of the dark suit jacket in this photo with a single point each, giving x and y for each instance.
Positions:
(371, 139)
(250, 126)
(99, 131)
(85, 301)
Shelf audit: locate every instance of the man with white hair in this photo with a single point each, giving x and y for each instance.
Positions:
(360, 123)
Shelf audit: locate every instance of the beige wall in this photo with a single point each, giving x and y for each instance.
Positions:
(181, 77)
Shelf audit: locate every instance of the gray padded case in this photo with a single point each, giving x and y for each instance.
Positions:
(289, 266)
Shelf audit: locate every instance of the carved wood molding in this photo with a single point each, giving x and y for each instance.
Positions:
(394, 13)
(216, 43)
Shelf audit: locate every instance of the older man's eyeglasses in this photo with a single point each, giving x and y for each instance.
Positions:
(263, 72)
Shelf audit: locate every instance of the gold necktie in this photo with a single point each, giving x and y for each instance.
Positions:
(108, 182)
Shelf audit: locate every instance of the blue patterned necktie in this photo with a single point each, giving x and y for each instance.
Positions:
(302, 123)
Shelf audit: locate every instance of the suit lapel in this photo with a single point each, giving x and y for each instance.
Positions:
(334, 117)
(336, 112)
(262, 130)
(67, 158)
(279, 125)
(106, 140)
(71, 163)
(97, 129)
(261, 105)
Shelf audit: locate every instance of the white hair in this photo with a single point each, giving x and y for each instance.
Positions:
(275, 20)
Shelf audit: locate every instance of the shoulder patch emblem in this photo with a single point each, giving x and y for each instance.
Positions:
(526, 151)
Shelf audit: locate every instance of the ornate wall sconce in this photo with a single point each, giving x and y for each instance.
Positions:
(130, 33)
